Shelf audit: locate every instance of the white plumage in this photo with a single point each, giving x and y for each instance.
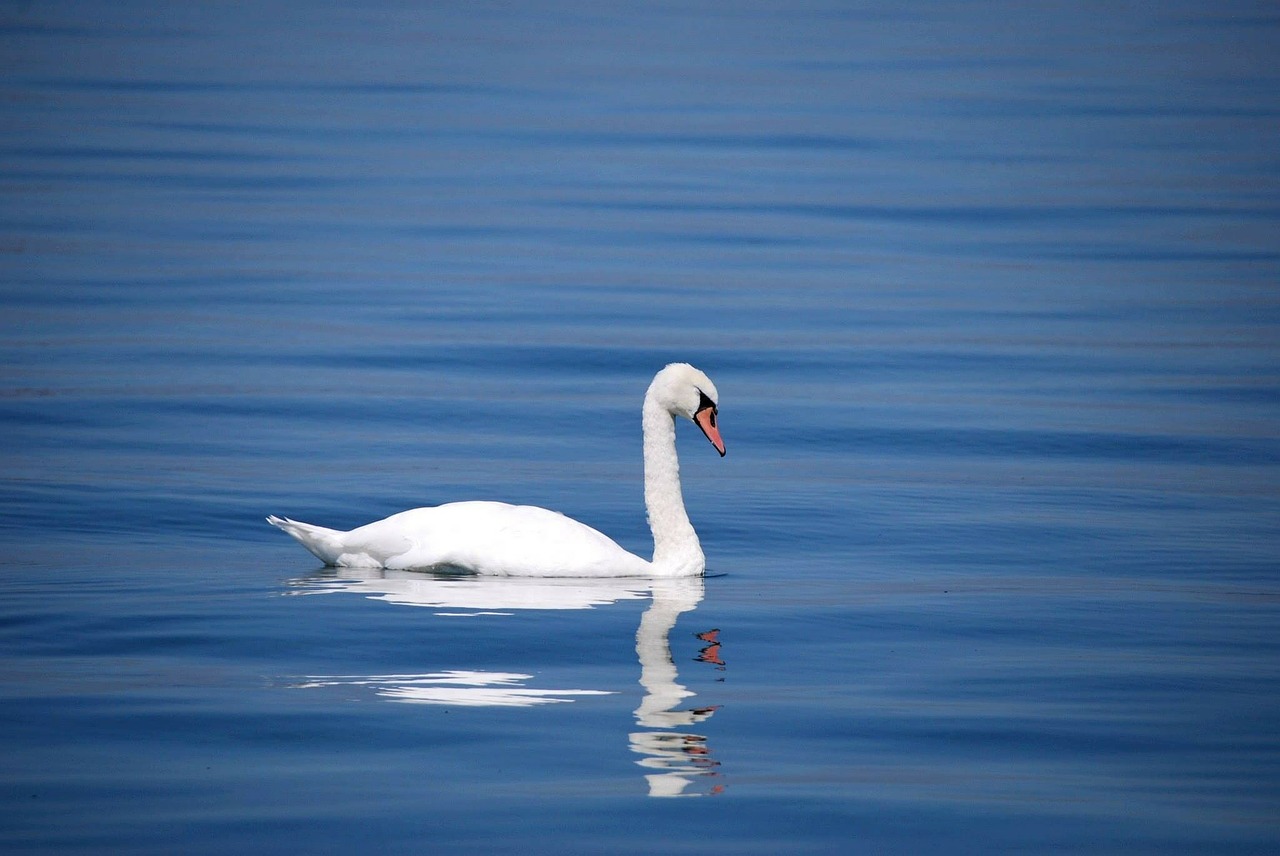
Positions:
(523, 540)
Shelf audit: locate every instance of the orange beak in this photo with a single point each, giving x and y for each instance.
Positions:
(706, 419)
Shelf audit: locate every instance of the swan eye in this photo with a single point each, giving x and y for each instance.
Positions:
(704, 402)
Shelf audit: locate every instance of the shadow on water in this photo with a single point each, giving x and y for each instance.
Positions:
(680, 761)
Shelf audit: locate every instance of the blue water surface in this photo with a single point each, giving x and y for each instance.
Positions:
(989, 291)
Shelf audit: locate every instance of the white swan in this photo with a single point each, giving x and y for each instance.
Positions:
(523, 540)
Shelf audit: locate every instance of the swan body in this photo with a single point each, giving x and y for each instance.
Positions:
(523, 540)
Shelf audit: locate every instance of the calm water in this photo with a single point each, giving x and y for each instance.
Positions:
(990, 294)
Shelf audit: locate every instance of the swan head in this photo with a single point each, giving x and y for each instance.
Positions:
(683, 390)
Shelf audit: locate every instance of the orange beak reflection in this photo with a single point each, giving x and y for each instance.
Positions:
(706, 419)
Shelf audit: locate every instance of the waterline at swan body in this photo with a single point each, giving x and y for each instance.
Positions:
(523, 540)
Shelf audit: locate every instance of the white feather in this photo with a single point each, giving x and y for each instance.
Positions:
(524, 540)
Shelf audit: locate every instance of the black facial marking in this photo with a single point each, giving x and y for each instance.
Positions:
(703, 403)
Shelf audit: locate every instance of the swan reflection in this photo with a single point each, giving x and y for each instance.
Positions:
(455, 688)
(475, 594)
(681, 758)
(676, 760)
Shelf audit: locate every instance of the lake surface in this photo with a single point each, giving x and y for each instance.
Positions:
(990, 293)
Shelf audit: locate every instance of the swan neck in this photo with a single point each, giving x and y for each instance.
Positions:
(676, 550)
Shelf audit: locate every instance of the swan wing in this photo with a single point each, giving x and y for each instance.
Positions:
(489, 538)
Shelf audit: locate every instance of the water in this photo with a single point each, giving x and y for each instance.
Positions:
(989, 292)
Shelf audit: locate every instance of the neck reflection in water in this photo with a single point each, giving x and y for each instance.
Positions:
(682, 757)
(677, 760)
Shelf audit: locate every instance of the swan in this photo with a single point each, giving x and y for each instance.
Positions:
(495, 538)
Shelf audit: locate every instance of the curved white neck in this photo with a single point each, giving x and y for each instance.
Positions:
(676, 551)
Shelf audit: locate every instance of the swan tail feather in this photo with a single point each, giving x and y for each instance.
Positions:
(325, 544)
